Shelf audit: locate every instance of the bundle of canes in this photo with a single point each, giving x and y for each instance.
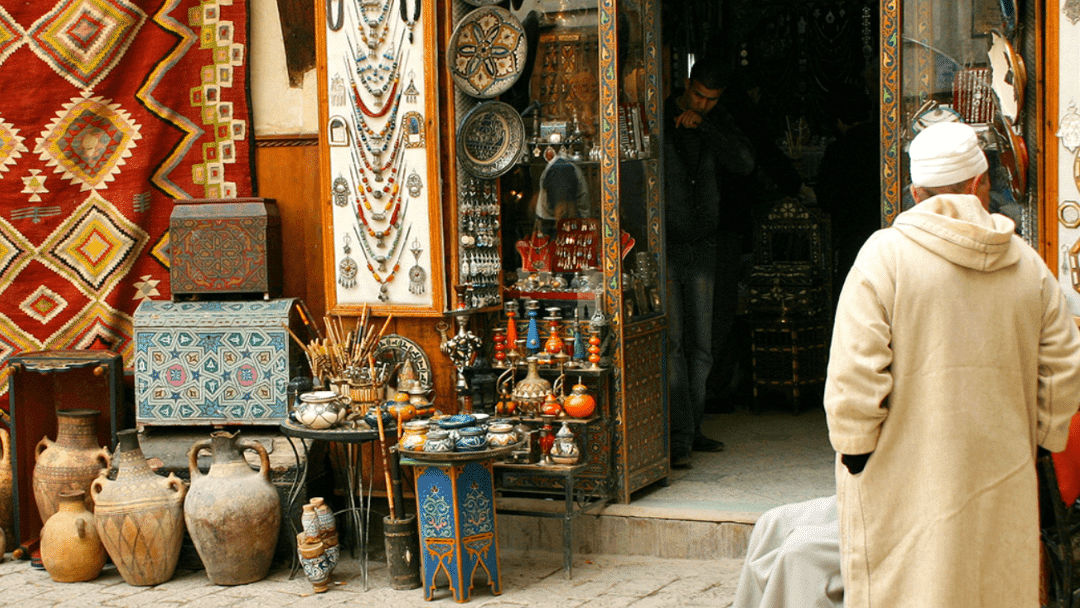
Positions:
(385, 453)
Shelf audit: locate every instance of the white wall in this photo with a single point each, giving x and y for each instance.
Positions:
(276, 108)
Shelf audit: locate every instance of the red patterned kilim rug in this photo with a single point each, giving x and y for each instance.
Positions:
(111, 109)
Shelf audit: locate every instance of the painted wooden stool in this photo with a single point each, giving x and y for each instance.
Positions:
(456, 507)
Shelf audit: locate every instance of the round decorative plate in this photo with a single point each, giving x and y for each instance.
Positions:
(393, 348)
(487, 52)
(483, 2)
(490, 139)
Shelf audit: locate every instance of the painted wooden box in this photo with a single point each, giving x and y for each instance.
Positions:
(225, 246)
(220, 363)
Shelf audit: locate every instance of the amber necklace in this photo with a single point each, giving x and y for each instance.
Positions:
(395, 222)
(381, 260)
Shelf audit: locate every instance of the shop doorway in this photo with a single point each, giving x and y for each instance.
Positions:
(802, 76)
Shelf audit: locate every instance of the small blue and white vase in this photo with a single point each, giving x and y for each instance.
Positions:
(314, 561)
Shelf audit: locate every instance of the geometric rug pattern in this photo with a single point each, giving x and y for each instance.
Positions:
(114, 109)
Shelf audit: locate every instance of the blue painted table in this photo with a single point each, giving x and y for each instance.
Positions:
(455, 506)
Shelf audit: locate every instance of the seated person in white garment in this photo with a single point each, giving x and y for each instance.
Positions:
(793, 560)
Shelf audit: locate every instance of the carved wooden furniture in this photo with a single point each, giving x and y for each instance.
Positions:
(789, 308)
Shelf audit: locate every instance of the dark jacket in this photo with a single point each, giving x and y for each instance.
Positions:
(694, 160)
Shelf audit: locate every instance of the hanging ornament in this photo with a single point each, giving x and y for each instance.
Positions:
(410, 23)
(340, 189)
(348, 268)
(417, 275)
(414, 184)
(412, 94)
(413, 124)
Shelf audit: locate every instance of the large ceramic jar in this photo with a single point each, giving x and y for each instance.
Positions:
(72, 462)
(232, 512)
(71, 550)
(140, 516)
(7, 513)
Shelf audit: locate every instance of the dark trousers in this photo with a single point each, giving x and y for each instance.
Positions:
(694, 272)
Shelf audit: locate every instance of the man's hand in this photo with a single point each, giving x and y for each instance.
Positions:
(689, 119)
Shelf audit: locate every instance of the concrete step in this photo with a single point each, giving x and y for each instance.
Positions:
(617, 529)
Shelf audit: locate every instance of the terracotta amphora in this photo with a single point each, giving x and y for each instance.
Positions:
(72, 462)
(7, 505)
(71, 550)
(232, 512)
(140, 515)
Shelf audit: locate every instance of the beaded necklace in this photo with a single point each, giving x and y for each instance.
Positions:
(378, 102)
(405, 16)
(373, 24)
(378, 171)
(381, 260)
(395, 222)
(379, 77)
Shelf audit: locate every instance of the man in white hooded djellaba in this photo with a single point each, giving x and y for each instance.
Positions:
(953, 356)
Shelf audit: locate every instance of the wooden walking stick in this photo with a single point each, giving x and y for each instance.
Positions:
(383, 450)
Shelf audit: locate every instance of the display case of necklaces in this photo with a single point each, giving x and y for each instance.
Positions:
(564, 80)
(577, 242)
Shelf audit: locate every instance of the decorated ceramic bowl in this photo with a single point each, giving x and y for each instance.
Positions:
(320, 409)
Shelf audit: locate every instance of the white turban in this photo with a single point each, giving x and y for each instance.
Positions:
(944, 154)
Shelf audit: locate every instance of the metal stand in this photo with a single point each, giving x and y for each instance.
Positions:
(359, 514)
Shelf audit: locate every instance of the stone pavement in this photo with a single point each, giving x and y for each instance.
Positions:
(528, 579)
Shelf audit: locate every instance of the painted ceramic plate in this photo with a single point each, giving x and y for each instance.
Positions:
(490, 139)
(487, 52)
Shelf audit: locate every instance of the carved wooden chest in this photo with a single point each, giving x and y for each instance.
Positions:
(225, 246)
(226, 362)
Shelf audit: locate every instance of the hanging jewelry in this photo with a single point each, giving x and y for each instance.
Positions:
(379, 215)
(405, 16)
(414, 184)
(412, 94)
(334, 24)
(383, 289)
(360, 100)
(381, 260)
(373, 24)
(347, 268)
(417, 275)
(340, 189)
(413, 126)
(337, 91)
(395, 222)
(388, 165)
(377, 78)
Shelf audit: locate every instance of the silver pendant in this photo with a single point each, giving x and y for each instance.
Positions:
(340, 189)
(414, 184)
(348, 268)
(417, 274)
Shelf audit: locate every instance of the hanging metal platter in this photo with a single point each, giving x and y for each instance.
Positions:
(490, 139)
(487, 52)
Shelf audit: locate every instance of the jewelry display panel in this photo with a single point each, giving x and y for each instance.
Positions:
(380, 158)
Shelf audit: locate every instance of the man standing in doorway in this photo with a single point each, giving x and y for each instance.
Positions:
(701, 142)
(954, 356)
